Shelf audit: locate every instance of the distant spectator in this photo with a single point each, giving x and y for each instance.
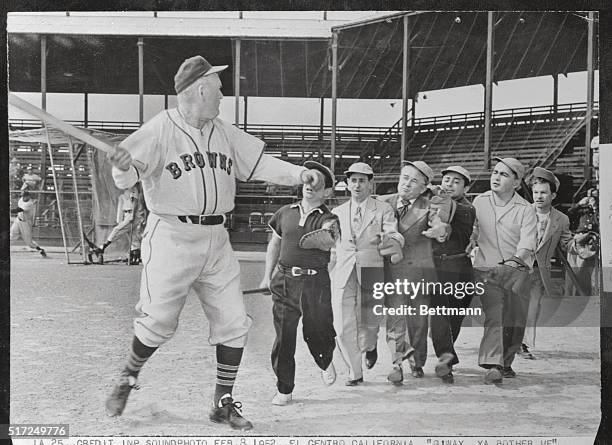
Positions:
(15, 174)
(31, 181)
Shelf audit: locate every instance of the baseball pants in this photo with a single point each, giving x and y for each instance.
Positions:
(178, 257)
(23, 230)
(308, 297)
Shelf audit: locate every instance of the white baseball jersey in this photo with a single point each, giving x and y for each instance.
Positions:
(29, 210)
(190, 171)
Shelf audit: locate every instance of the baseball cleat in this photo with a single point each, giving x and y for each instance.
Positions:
(43, 253)
(443, 366)
(396, 376)
(281, 399)
(416, 372)
(354, 382)
(115, 404)
(229, 413)
(493, 375)
(329, 375)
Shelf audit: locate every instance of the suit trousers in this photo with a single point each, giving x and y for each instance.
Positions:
(536, 293)
(308, 297)
(397, 329)
(355, 323)
(504, 325)
(445, 328)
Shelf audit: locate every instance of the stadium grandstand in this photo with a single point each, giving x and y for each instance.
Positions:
(387, 55)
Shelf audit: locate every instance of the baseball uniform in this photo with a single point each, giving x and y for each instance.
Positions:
(22, 225)
(191, 172)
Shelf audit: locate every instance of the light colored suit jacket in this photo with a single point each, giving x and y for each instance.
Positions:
(360, 249)
(557, 233)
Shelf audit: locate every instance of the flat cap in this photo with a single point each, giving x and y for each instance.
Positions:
(329, 176)
(191, 70)
(458, 169)
(513, 164)
(359, 167)
(547, 175)
(422, 167)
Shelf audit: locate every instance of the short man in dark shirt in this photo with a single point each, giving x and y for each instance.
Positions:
(452, 266)
(301, 285)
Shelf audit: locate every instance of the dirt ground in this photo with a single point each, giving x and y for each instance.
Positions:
(71, 326)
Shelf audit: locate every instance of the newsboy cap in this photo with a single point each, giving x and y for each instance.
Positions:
(422, 167)
(513, 164)
(192, 69)
(359, 167)
(460, 170)
(547, 175)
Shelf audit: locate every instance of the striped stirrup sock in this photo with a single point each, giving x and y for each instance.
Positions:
(228, 362)
(138, 356)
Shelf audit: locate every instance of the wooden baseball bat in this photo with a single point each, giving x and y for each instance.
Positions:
(260, 290)
(65, 127)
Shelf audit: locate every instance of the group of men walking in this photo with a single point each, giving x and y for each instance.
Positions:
(500, 241)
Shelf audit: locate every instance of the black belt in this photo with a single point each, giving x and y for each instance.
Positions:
(454, 256)
(297, 271)
(204, 220)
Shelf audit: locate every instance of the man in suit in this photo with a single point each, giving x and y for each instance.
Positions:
(553, 230)
(407, 335)
(452, 266)
(356, 264)
(506, 235)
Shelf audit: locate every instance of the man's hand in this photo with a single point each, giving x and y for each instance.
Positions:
(312, 177)
(265, 283)
(471, 246)
(121, 158)
(512, 274)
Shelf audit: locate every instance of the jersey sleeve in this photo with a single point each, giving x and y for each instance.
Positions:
(253, 164)
(144, 146)
(247, 150)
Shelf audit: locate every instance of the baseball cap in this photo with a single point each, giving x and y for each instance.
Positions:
(513, 164)
(547, 175)
(359, 167)
(422, 167)
(192, 69)
(329, 177)
(458, 169)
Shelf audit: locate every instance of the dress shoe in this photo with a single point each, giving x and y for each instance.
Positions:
(416, 372)
(396, 376)
(329, 375)
(281, 399)
(370, 358)
(508, 372)
(448, 378)
(493, 375)
(354, 382)
(443, 367)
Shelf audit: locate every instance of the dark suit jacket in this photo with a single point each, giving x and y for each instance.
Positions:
(418, 262)
(462, 225)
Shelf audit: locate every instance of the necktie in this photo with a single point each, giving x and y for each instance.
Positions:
(404, 209)
(357, 219)
(543, 223)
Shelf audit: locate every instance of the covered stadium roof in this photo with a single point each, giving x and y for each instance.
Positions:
(281, 58)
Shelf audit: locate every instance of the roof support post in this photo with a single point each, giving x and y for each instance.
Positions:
(555, 96)
(245, 119)
(237, 81)
(86, 111)
(321, 114)
(43, 71)
(334, 109)
(405, 87)
(588, 162)
(140, 80)
(488, 93)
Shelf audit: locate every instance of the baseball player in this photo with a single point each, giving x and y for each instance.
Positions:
(506, 235)
(190, 160)
(553, 230)
(126, 213)
(452, 266)
(31, 180)
(301, 285)
(22, 226)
